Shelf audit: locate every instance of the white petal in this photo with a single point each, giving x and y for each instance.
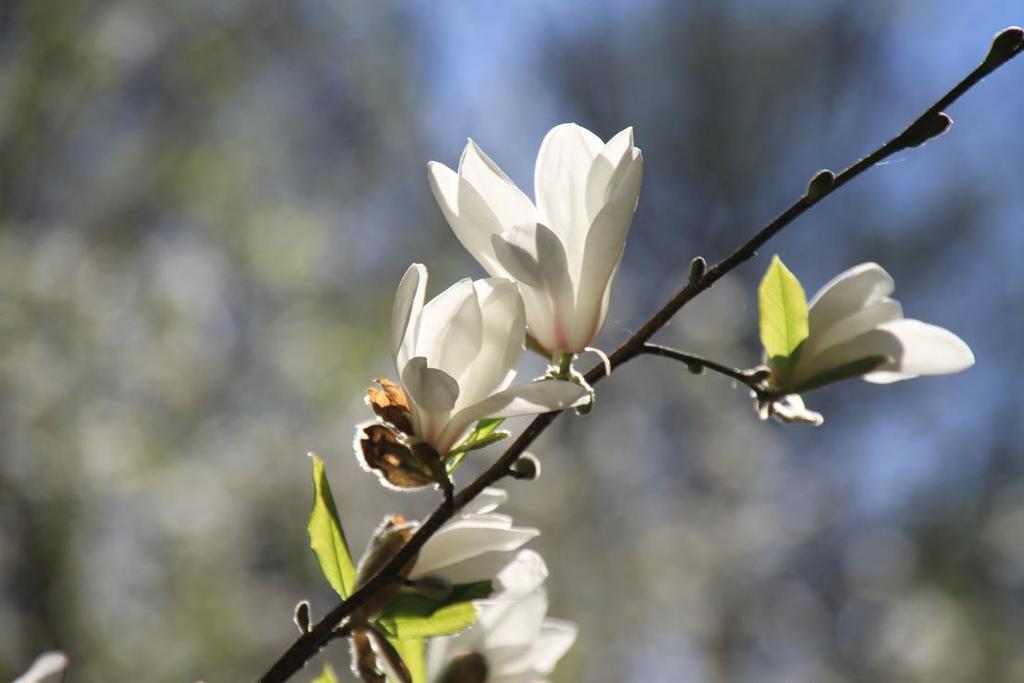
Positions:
(405, 313)
(47, 668)
(524, 399)
(503, 336)
(610, 162)
(464, 539)
(505, 199)
(872, 315)
(560, 180)
(431, 389)
(926, 350)
(449, 318)
(466, 212)
(488, 501)
(846, 293)
(511, 627)
(524, 574)
(604, 246)
(556, 637)
(875, 342)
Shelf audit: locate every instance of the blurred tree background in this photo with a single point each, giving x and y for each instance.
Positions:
(205, 208)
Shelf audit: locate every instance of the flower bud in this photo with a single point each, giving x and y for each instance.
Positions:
(925, 129)
(1005, 45)
(820, 185)
(526, 467)
(303, 616)
(697, 268)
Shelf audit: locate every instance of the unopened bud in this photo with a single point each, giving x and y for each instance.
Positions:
(695, 368)
(302, 616)
(1005, 45)
(697, 268)
(759, 375)
(928, 128)
(820, 185)
(526, 467)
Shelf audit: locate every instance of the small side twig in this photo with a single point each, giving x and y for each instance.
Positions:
(751, 379)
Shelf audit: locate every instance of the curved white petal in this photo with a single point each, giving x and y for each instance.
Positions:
(466, 539)
(560, 183)
(846, 293)
(556, 637)
(444, 320)
(604, 246)
(503, 334)
(506, 200)
(874, 314)
(431, 389)
(926, 350)
(524, 574)
(488, 501)
(47, 668)
(609, 163)
(875, 342)
(523, 399)
(467, 213)
(405, 313)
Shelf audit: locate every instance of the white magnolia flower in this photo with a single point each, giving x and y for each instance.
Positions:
(852, 320)
(564, 251)
(456, 358)
(48, 668)
(511, 642)
(478, 545)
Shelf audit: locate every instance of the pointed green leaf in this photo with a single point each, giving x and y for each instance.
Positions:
(326, 676)
(414, 615)
(413, 653)
(326, 536)
(484, 434)
(782, 309)
(853, 369)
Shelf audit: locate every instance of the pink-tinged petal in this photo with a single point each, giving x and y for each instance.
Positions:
(609, 163)
(605, 244)
(503, 333)
(560, 180)
(846, 293)
(465, 539)
(470, 218)
(432, 390)
(926, 350)
(405, 313)
(505, 199)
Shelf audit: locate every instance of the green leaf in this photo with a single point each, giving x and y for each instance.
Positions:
(484, 434)
(853, 369)
(782, 308)
(414, 615)
(326, 676)
(413, 653)
(326, 537)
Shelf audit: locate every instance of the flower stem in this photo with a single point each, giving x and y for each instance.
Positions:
(565, 366)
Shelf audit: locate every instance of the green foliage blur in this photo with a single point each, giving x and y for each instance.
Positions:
(205, 208)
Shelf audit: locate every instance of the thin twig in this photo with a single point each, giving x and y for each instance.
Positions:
(750, 380)
(931, 123)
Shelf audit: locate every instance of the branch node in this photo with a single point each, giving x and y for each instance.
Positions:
(698, 266)
(1005, 45)
(925, 128)
(525, 468)
(820, 185)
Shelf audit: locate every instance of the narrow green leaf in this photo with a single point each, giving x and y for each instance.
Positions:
(852, 369)
(326, 536)
(484, 434)
(413, 653)
(782, 309)
(326, 676)
(414, 615)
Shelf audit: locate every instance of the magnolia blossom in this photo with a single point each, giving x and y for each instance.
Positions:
(47, 668)
(478, 545)
(511, 642)
(852, 319)
(564, 251)
(456, 357)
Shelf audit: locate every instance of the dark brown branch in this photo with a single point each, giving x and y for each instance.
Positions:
(751, 380)
(931, 123)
